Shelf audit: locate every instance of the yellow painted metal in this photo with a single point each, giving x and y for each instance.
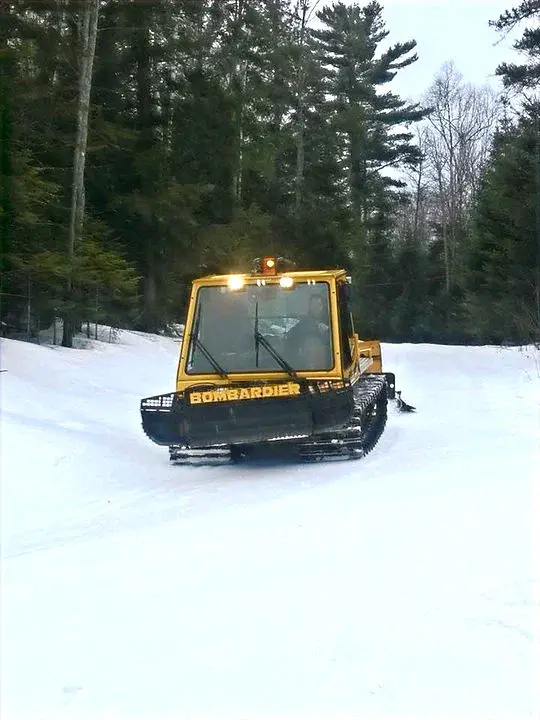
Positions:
(370, 349)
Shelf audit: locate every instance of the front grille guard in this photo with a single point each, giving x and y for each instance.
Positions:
(159, 403)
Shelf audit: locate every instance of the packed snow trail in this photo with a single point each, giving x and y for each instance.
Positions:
(404, 584)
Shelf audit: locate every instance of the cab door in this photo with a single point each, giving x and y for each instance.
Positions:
(346, 327)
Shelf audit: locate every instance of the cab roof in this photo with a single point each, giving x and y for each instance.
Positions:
(319, 275)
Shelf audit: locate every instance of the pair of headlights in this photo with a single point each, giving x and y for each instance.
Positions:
(237, 282)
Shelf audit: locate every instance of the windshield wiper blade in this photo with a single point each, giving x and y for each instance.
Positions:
(195, 337)
(277, 357)
(217, 367)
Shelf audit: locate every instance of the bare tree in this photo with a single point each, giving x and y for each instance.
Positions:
(87, 31)
(457, 143)
(418, 186)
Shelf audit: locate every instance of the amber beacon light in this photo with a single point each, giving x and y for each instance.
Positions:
(269, 266)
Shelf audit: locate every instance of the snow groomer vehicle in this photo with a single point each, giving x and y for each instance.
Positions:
(270, 363)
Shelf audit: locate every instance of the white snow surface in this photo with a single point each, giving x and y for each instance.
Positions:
(402, 585)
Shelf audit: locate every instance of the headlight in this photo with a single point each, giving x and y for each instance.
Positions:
(236, 282)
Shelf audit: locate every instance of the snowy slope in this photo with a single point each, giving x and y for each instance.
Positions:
(405, 584)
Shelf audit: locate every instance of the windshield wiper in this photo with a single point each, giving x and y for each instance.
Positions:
(217, 367)
(277, 357)
(195, 337)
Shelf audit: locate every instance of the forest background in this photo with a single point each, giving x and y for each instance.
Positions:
(145, 142)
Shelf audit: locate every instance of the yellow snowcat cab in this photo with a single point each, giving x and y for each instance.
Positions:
(270, 362)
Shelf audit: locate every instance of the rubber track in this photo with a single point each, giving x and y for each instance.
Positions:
(364, 431)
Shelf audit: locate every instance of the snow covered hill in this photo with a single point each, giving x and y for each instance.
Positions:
(405, 584)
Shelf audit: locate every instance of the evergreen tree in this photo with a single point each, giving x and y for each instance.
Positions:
(366, 120)
(38, 134)
(504, 278)
(525, 75)
(410, 311)
(218, 130)
(368, 125)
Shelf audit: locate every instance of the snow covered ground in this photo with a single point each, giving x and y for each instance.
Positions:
(403, 585)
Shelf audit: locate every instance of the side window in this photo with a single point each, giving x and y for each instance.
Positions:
(345, 324)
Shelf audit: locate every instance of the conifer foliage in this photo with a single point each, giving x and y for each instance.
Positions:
(503, 274)
(198, 134)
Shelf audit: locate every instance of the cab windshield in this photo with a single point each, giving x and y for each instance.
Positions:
(261, 328)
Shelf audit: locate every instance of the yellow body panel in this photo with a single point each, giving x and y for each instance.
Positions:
(366, 354)
(370, 349)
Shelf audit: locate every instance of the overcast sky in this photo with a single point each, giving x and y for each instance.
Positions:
(446, 30)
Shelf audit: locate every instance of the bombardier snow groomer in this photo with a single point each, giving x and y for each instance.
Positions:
(270, 362)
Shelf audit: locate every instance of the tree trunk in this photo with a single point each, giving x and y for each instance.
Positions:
(358, 173)
(299, 177)
(238, 84)
(6, 170)
(237, 87)
(537, 215)
(418, 199)
(146, 145)
(88, 32)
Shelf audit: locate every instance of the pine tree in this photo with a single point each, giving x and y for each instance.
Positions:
(367, 123)
(410, 311)
(525, 75)
(504, 287)
(366, 120)
(217, 130)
